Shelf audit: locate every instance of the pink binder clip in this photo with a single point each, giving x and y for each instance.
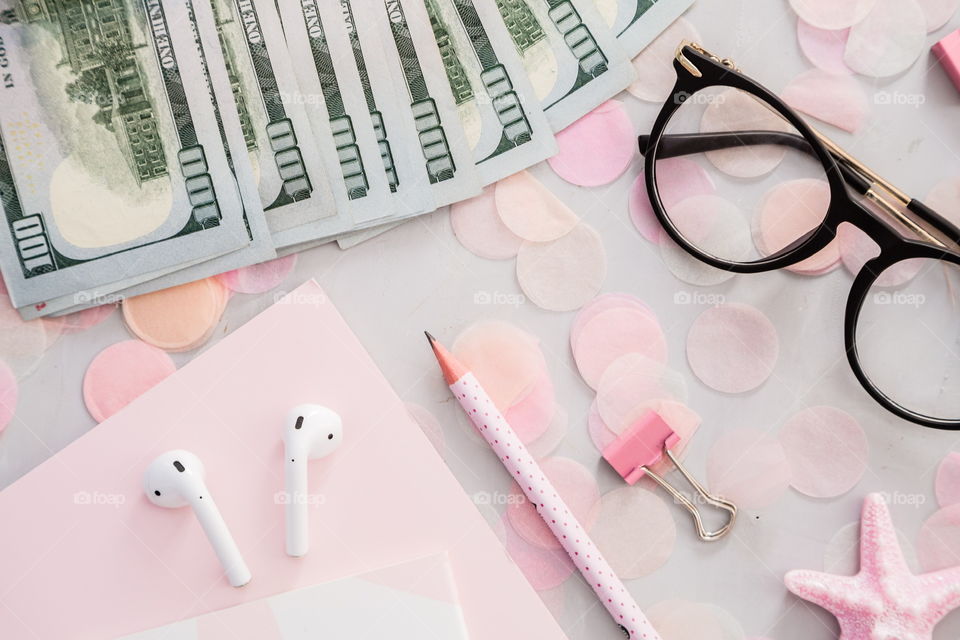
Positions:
(642, 445)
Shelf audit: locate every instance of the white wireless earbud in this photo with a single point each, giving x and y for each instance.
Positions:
(310, 432)
(174, 480)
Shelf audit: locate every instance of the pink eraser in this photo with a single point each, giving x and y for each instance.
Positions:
(640, 445)
(947, 52)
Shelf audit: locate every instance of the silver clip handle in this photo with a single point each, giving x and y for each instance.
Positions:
(709, 498)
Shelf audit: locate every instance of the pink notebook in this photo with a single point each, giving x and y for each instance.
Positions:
(84, 555)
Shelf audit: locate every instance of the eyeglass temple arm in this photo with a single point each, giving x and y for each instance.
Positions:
(675, 145)
(683, 144)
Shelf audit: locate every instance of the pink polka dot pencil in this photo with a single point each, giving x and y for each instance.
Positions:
(538, 489)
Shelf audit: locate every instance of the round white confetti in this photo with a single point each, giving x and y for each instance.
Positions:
(748, 467)
(480, 230)
(827, 449)
(888, 40)
(938, 12)
(564, 274)
(732, 348)
(832, 14)
(635, 531)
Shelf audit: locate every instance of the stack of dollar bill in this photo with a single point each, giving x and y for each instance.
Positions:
(148, 143)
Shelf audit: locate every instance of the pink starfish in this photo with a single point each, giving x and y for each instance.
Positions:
(884, 601)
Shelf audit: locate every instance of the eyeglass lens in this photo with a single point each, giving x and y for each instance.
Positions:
(750, 200)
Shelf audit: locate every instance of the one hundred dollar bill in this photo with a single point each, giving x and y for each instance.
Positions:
(413, 60)
(112, 158)
(572, 57)
(393, 121)
(504, 123)
(221, 88)
(287, 159)
(336, 106)
(637, 22)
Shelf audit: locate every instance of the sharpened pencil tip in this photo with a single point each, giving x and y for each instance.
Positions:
(430, 337)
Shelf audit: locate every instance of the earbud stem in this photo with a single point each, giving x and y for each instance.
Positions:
(220, 538)
(297, 515)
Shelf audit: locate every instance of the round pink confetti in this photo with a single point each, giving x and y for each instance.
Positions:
(824, 47)
(947, 483)
(631, 385)
(544, 568)
(505, 359)
(531, 415)
(615, 333)
(732, 348)
(654, 65)
(531, 211)
(748, 467)
(735, 110)
(564, 274)
(938, 12)
(9, 392)
(597, 306)
(938, 543)
(259, 278)
(832, 14)
(87, 318)
(677, 180)
(856, 248)
(827, 449)
(120, 374)
(556, 431)
(430, 425)
(683, 620)
(574, 483)
(480, 230)
(21, 343)
(888, 40)
(596, 149)
(836, 100)
(791, 210)
(601, 435)
(635, 531)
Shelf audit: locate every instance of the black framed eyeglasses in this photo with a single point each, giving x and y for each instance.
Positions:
(774, 193)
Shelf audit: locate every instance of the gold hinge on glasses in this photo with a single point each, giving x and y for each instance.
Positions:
(692, 68)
